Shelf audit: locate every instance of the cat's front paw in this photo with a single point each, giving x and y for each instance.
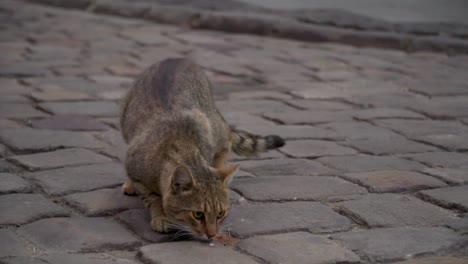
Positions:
(160, 224)
(128, 188)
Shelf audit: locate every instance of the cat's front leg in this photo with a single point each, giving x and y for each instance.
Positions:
(128, 188)
(153, 203)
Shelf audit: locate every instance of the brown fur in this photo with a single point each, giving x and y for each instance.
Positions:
(178, 148)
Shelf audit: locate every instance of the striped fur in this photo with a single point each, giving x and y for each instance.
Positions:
(248, 145)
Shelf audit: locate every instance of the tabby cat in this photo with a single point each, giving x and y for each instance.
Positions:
(178, 148)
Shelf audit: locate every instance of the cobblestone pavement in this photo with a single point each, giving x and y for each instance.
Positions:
(375, 168)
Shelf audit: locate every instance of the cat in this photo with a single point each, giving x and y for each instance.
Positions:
(179, 145)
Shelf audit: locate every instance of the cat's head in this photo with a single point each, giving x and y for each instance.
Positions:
(199, 204)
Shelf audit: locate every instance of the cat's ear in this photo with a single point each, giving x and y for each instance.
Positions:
(182, 180)
(227, 174)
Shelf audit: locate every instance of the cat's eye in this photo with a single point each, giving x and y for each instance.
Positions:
(198, 215)
(221, 214)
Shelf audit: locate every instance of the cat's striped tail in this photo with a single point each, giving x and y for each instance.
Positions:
(248, 145)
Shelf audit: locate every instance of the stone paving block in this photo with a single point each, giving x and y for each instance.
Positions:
(457, 142)
(292, 131)
(315, 148)
(457, 176)
(384, 113)
(12, 98)
(138, 220)
(6, 123)
(298, 117)
(78, 234)
(59, 158)
(6, 166)
(194, 252)
(435, 260)
(450, 197)
(391, 244)
(102, 108)
(460, 224)
(99, 258)
(252, 106)
(80, 179)
(11, 245)
(13, 184)
(60, 95)
(271, 154)
(255, 219)
(362, 163)
(242, 119)
(394, 181)
(445, 107)
(440, 159)
(42, 140)
(69, 122)
(390, 210)
(278, 167)
(3, 150)
(357, 130)
(296, 188)
(112, 95)
(388, 145)
(259, 95)
(18, 209)
(416, 128)
(103, 202)
(19, 110)
(300, 247)
(321, 105)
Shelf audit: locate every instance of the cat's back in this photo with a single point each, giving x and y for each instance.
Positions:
(170, 86)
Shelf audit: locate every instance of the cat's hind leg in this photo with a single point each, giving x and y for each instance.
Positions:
(153, 202)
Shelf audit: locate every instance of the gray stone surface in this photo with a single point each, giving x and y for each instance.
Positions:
(381, 103)
(436, 260)
(99, 258)
(441, 159)
(390, 210)
(59, 158)
(394, 181)
(388, 145)
(103, 202)
(18, 209)
(450, 197)
(11, 244)
(457, 176)
(252, 219)
(357, 130)
(34, 140)
(138, 220)
(293, 131)
(19, 110)
(293, 188)
(397, 243)
(298, 117)
(13, 184)
(69, 122)
(80, 179)
(315, 148)
(82, 108)
(300, 247)
(362, 163)
(194, 252)
(78, 234)
(416, 128)
(277, 167)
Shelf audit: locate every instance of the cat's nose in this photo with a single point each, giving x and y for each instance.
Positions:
(210, 235)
